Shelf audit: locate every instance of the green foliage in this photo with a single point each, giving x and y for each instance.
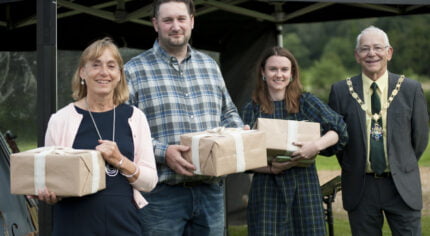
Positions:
(313, 37)
(326, 71)
(325, 51)
(408, 35)
(343, 48)
(293, 43)
(318, 38)
(409, 38)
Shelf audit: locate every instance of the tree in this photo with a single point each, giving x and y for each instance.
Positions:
(326, 71)
(17, 91)
(293, 43)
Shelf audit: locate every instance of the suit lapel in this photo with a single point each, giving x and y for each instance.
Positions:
(357, 84)
(392, 81)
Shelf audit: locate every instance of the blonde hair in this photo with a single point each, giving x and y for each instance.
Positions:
(92, 52)
(294, 89)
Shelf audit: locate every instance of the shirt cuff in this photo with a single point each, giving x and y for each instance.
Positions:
(160, 153)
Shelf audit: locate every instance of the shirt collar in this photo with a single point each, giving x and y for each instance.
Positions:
(382, 81)
(159, 51)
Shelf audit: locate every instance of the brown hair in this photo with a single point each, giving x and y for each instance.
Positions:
(157, 3)
(92, 52)
(294, 89)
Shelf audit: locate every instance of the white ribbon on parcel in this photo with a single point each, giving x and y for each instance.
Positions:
(220, 131)
(40, 166)
(293, 127)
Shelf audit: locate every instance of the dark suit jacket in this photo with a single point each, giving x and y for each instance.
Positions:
(407, 138)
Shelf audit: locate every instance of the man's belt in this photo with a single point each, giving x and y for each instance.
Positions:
(383, 175)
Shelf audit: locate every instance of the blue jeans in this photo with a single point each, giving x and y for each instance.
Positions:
(177, 210)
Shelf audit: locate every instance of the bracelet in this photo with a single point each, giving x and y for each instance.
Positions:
(135, 172)
(120, 163)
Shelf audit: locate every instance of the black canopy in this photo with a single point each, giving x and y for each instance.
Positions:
(129, 21)
(237, 29)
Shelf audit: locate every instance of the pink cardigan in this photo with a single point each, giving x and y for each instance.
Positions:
(64, 124)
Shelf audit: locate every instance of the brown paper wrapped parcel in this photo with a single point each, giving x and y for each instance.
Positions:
(65, 171)
(280, 135)
(223, 151)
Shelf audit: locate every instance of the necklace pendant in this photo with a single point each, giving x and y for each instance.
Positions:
(110, 170)
(376, 132)
(376, 117)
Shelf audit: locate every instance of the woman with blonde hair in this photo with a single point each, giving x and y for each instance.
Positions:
(99, 119)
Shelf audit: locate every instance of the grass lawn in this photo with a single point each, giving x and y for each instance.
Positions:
(25, 145)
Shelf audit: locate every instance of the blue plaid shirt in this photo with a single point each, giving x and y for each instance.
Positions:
(179, 98)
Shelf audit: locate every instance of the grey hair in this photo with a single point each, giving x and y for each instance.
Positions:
(372, 29)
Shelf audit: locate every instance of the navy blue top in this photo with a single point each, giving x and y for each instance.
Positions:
(87, 138)
(110, 211)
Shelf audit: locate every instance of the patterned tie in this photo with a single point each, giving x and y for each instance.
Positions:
(377, 156)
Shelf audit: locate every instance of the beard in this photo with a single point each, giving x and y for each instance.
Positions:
(172, 42)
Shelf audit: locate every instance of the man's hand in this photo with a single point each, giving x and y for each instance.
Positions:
(176, 161)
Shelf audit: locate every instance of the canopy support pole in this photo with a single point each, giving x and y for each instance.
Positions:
(46, 86)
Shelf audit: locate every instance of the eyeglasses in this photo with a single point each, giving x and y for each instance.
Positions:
(366, 50)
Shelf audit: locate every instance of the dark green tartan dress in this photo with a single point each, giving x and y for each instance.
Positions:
(291, 203)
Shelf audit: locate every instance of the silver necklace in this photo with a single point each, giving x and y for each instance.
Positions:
(109, 169)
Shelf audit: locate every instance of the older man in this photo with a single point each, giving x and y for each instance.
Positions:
(387, 121)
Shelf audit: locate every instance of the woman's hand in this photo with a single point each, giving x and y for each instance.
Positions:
(46, 196)
(110, 152)
(307, 151)
(278, 167)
